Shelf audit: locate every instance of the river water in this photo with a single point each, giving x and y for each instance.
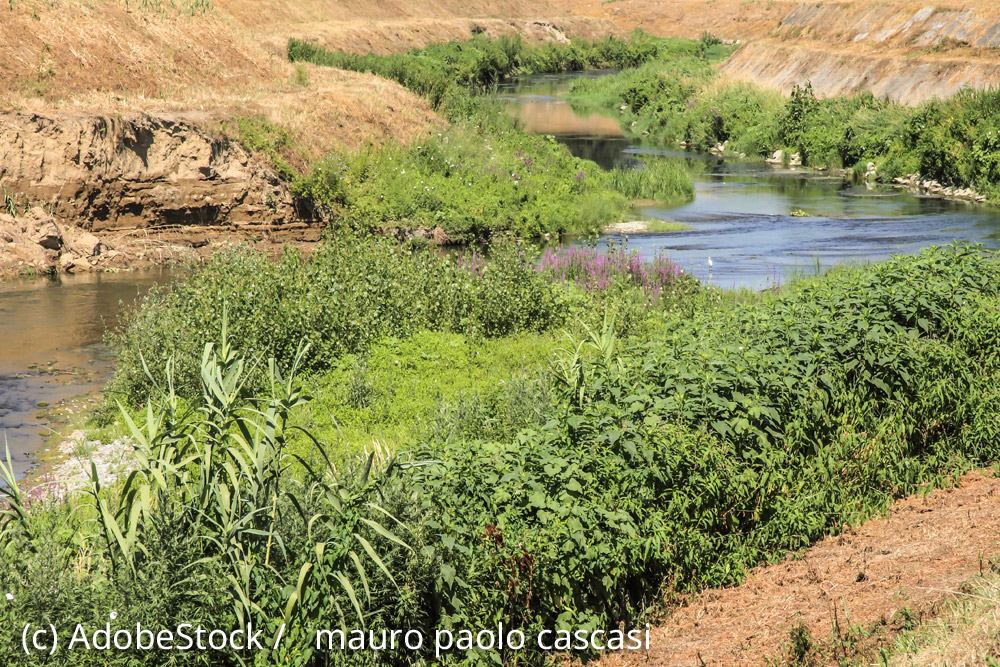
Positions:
(52, 350)
(741, 213)
(51, 330)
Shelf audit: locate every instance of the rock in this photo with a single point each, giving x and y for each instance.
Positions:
(85, 244)
(45, 232)
(777, 158)
(68, 263)
(795, 160)
(439, 236)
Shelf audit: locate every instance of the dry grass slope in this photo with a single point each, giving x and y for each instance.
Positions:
(912, 560)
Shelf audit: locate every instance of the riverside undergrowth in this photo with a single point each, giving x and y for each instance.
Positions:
(955, 140)
(350, 293)
(482, 174)
(726, 435)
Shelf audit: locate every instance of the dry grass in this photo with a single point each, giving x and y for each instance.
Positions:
(106, 57)
(908, 561)
(965, 634)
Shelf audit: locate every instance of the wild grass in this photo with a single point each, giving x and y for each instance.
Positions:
(661, 180)
(433, 384)
(964, 633)
(664, 226)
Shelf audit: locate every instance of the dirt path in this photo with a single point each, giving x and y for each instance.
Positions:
(914, 558)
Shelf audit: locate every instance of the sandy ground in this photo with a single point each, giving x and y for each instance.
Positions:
(914, 558)
(77, 457)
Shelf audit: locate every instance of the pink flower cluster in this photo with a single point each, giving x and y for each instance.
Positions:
(597, 270)
(472, 262)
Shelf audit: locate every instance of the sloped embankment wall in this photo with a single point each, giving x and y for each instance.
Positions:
(910, 54)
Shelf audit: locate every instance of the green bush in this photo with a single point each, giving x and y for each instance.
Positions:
(350, 293)
(719, 444)
(479, 177)
(731, 435)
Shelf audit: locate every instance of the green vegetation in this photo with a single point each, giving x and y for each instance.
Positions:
(713, 432)
(482, 174)
(436, 71)
(388, 437)
(955, 141)
(662, 180)
(433, 384)
(474, 179)
(350, 293)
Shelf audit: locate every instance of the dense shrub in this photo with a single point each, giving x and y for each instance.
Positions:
(675, 463)
(477, 178)
(348, 294)
(721, 443)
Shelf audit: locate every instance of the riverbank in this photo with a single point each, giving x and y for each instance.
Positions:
(685, 404)
(946, 147)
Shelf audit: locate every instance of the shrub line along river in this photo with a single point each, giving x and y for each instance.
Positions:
(51, 330)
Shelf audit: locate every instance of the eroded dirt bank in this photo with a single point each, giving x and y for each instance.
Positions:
(101, 192)
(138, 172)
(906, 52)
(909, 51)
(841, 71)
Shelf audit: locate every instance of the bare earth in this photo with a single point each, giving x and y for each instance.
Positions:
(914, 558)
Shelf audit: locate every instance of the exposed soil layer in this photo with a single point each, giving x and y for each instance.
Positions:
(845, 70)
(109, 174)
(909, 51)
(914, 558)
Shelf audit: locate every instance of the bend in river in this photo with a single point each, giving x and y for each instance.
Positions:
(742, 213)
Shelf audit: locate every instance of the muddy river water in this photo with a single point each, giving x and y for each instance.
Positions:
(51, 330)
(51, 348)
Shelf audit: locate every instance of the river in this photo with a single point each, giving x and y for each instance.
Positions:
(52, 349)
(51, 330)
(741, 215)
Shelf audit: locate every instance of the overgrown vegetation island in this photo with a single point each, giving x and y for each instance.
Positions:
(378, 436)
